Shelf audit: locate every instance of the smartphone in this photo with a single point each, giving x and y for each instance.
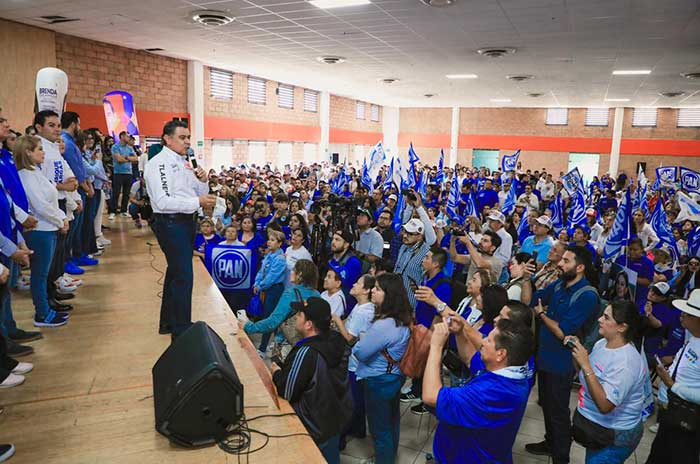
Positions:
(534, 256)
(571, 344)
(413, 284)
(241, 313)
(658, 360)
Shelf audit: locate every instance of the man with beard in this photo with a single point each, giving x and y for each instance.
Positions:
(346, 262)
(572, 306)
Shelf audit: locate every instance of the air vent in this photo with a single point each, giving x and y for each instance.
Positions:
(389, 80)
(672, 94)
(520, 77)
(692, 75)
(438, 3)
(55, 19)
(535, 94)
(496, 52)
(154, 49)
(212, 18)
(330, 59)
(429, 95)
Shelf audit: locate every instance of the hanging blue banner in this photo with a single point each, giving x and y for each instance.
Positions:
(231, 266)
(665, 177)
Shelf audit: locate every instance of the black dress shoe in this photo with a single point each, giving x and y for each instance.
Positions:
(21, 336)
(15, 350)
(59, 307)
(540, 449)
(63, 296)
(164, 330)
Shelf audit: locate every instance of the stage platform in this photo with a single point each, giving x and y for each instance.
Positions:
(90, 396)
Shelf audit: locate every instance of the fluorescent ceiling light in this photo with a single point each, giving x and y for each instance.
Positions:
(632, 72)
(461, 76)
(328, 4)
(617, 99)
(501, 100)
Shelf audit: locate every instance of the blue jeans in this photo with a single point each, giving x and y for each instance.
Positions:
(330, 449)
(176, 239)
(626, 442)
(383, 415)
(43, 243)
(272, 297)
(8, 326)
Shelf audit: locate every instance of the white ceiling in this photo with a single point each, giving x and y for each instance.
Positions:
(570, 46)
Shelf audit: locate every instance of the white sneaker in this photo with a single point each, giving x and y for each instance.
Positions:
(99, 252)
(70, 280)
(23, 368)
(103, 241)
(111, 217)
(125, 215)
(654, 428)
(24, 283)
(12, 380)
(65, 286)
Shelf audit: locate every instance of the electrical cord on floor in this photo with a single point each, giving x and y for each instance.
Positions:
(239, 436)
(162, 274)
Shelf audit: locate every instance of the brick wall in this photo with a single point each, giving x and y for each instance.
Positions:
(425, 120)
(343, 116)
(157, 83)
(666, 127)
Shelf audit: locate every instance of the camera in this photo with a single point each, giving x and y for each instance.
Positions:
(459, 233)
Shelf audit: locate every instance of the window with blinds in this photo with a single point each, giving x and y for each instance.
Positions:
(310, 100)
(557, 116)
(360, 110)
(256, 90)
(374, 113)
(285, 96)
(644, 117)
(597, 116)
(221, 84)
(689, 117)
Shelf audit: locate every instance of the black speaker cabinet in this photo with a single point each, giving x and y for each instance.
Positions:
(196, 391)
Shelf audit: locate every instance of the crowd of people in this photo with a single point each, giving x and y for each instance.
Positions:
(56, 181)
(510, 298)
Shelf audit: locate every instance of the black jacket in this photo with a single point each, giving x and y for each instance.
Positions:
(314, 379)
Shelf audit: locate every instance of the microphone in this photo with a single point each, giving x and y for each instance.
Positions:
(193, 161)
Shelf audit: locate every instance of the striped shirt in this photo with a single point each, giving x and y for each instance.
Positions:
(409, 266)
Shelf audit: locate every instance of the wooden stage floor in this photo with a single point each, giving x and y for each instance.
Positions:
(90, 398)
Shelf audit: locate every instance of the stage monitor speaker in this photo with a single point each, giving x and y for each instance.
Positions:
(196, 391)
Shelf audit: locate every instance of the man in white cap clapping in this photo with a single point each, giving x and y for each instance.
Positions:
(541, 241)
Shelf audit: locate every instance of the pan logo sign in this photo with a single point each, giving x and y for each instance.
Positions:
(231, 267)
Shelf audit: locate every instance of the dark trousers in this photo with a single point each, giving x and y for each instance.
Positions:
(554, 392)
(89, 241)
(358, 424)
(6, 362)
(176, 239)
(59, 255)
(121, 183)
(674, 446)
(76, 239)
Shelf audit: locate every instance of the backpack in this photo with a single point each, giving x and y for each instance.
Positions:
(588, 334)
(414, 359)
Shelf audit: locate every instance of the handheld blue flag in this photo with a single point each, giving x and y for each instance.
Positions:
(577, 214)
(422, 184)
(509, 162)
(248, 193)
(397, 222)
(509, 203)
(659, 223)
(440, 176)
(693, 241)
(572, 181)
(471, 209)
(690, 180)
(524, 227)
(376, 159)
(665, 177)
(690, 210)
(453, 199)
(557, 214)
(621, 229)
(366, 178)
(389, 181)
(412, 160)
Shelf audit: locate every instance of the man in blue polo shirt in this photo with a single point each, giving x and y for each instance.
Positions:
(572, 306)
(478, 421)
(487, 196)
(123, 155)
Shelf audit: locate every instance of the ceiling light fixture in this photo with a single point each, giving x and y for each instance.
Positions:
(461, 76)
(501, 100)
(617, 99)
(330, 4)
(438, 3)
(631, 72)
(691, 75)
(212, 17)
(495, 52)
(672, 93)
(429, 95)
(520, 77)
(330, 59)
(389, 80)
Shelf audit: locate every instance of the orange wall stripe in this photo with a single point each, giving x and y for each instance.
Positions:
(425, 140)
(150, 122)
(226, 128)
(354, 137)
(660, 147)
(536, 143)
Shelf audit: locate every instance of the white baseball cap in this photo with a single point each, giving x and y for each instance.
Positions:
(662, 287)
(691, 305)
(545, 221)
(414, 226)
(495, 215)
(393, 197)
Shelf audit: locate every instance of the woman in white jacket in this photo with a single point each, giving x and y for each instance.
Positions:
(43, 203)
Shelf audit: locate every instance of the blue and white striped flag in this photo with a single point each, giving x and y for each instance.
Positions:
(524, 226)
(453, 199)
(471, 209)
(412, 160)
(665, 177)
(389, 181)
(621, 229)
(440, 176)
(248, 193)
(509, 162)
(572, 181)
(659, 223)
(509, 203)
(422, 184)
(557, 214)
(397, 222)
(689, 208)
(377, 157)
(366, 178)
(577, 214)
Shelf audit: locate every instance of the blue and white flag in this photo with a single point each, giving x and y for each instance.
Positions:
(422, 184)
(621, 229)
(412, 160)
(366, 178)
(524, 226)
(471, 209)
(400, 174)
(693, 241)
(665, 177)
(389, 181)
(509, 162)
(248, 193)
(377, 157)
(397, 222)
(572, 181)
(440, 176)
(577, 214)
(690, 210)
(557, 214)
(509, 203)
(341, 180)
(453, 200)
(231, 266)
(659, 223)
(690, 180)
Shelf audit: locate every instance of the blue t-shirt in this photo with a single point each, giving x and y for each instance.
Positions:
(123, 150)
(486, 198)
(262, 223)
(478, 422)
(424, 312)
(200, 242)
(477, 366)
(542, 248)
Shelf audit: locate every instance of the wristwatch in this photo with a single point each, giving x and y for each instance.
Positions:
(441, 307)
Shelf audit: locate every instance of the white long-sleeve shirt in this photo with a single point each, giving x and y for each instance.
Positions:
(54, 167)
(648, 236)
(172, 185)
(43, 200)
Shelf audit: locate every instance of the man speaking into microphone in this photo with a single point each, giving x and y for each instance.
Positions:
(177, 190)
